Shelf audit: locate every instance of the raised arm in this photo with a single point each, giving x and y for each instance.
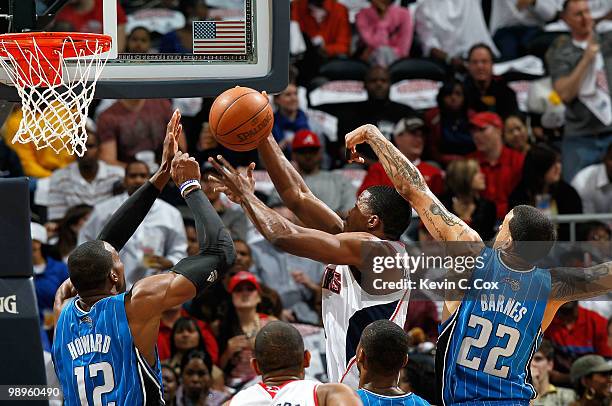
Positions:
(124, 222)
(64, 293)
(569, 284)
(442, 224)
(295, 193)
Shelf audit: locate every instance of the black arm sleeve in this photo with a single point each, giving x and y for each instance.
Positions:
(124, 222)
(217, 252)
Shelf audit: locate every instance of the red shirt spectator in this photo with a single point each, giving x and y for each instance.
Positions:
(329, 21)
(377, 176)
(501, 166)
(86, 16)
(165, 332)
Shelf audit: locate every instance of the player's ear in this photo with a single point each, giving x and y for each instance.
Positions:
(255, 366)
(373, 221)
(307, 357)
(405, 361)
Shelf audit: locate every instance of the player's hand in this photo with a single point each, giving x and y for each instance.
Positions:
(184, 168)
(173, 131)
(360, 135)
(232, 182)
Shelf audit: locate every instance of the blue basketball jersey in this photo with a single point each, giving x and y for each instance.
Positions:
(96, 360)
(485, 347)
(372, 399)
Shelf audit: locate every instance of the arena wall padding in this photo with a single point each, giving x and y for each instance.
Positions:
(15, 240)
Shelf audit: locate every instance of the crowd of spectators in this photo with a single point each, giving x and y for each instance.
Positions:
(479, 147)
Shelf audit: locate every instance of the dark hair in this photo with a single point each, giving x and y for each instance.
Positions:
(187, 222)
(183, 324)
(140, 27)
(185, 5)
(481, 45)
(547, 349)
(197, 354)
(67, 238)
(538, 161)
(447, 89)
(167, 366)
(136, 162)
(279, 346)
(235, 240)
(89, 265)
(608, 150)
(584, 229)
(533, 233)
(385, 345)
(394, 211)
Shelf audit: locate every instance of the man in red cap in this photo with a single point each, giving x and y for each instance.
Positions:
(332, 188)
(501, 165)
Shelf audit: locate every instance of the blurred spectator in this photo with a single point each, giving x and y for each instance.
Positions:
(231, 214)
(330, 187)
(591, 376)
(192, 237)
(139, 41)
(179, 334)
(501, 165)
(581, 69)
(541, 186)
(87, 16)
(449, 124)
(448, 28)
(68, 230)
(196, 381)
(10, 167)
(465, 183)
(289, 118)
(239, 327)
(594, 185)
(541, 365)
(49, 274)
(134, 129)
(156, 245)
(514, 23)
(386, 32)
(423, 313)
(598, 235)
(86, 181)
(37, 163)
(181, 41)
(409, 138)
(485, 92)
(325, 24)
(576, 331)
(170, 381)
(296, 279)
(516, 135)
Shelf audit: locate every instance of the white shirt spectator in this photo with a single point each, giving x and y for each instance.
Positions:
(452, 26)
(504, 13)
(161, 233)
(595, 189)
(68, 188)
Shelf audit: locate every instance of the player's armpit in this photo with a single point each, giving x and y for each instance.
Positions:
(337, 394)
(341, 249)
(569, 284)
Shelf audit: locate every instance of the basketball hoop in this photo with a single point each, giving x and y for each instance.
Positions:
(55, 74)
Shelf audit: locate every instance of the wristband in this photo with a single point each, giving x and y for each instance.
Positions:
(187, 184)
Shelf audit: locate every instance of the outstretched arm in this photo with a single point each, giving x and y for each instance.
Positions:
(442, 224)
(295, 193)
(124, 222)
(569, 284)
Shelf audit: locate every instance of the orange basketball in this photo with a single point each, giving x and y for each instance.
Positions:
(240, 118)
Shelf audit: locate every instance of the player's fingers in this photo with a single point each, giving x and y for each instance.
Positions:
(213, 179)
(221, 170)
(250, 170)
(226, 164)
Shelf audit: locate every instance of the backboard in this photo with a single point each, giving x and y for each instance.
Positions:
(195, 53)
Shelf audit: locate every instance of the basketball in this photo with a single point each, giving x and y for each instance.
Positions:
(240, 118)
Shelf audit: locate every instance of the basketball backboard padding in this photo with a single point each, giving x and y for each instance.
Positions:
(132, 78)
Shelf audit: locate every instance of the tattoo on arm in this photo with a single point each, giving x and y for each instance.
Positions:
(580, 283)
(447, 217)
(398, 167)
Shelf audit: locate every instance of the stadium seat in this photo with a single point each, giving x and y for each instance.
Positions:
(412, 68)
(344, 69)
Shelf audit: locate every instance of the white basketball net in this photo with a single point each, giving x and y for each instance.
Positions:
(54, 115)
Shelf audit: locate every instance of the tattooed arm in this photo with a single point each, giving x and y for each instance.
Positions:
(569, 284)
(442, 224)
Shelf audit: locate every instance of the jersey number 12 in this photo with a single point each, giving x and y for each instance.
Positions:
(481, 341)
(107, 386)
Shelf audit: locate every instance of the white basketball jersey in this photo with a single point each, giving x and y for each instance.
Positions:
(293, 393)
(347, 310)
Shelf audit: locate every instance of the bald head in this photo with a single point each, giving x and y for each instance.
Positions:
(279, 346)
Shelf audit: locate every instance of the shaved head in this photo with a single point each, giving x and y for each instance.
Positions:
(279, 346)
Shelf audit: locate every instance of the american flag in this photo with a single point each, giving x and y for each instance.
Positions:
(219, 37)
